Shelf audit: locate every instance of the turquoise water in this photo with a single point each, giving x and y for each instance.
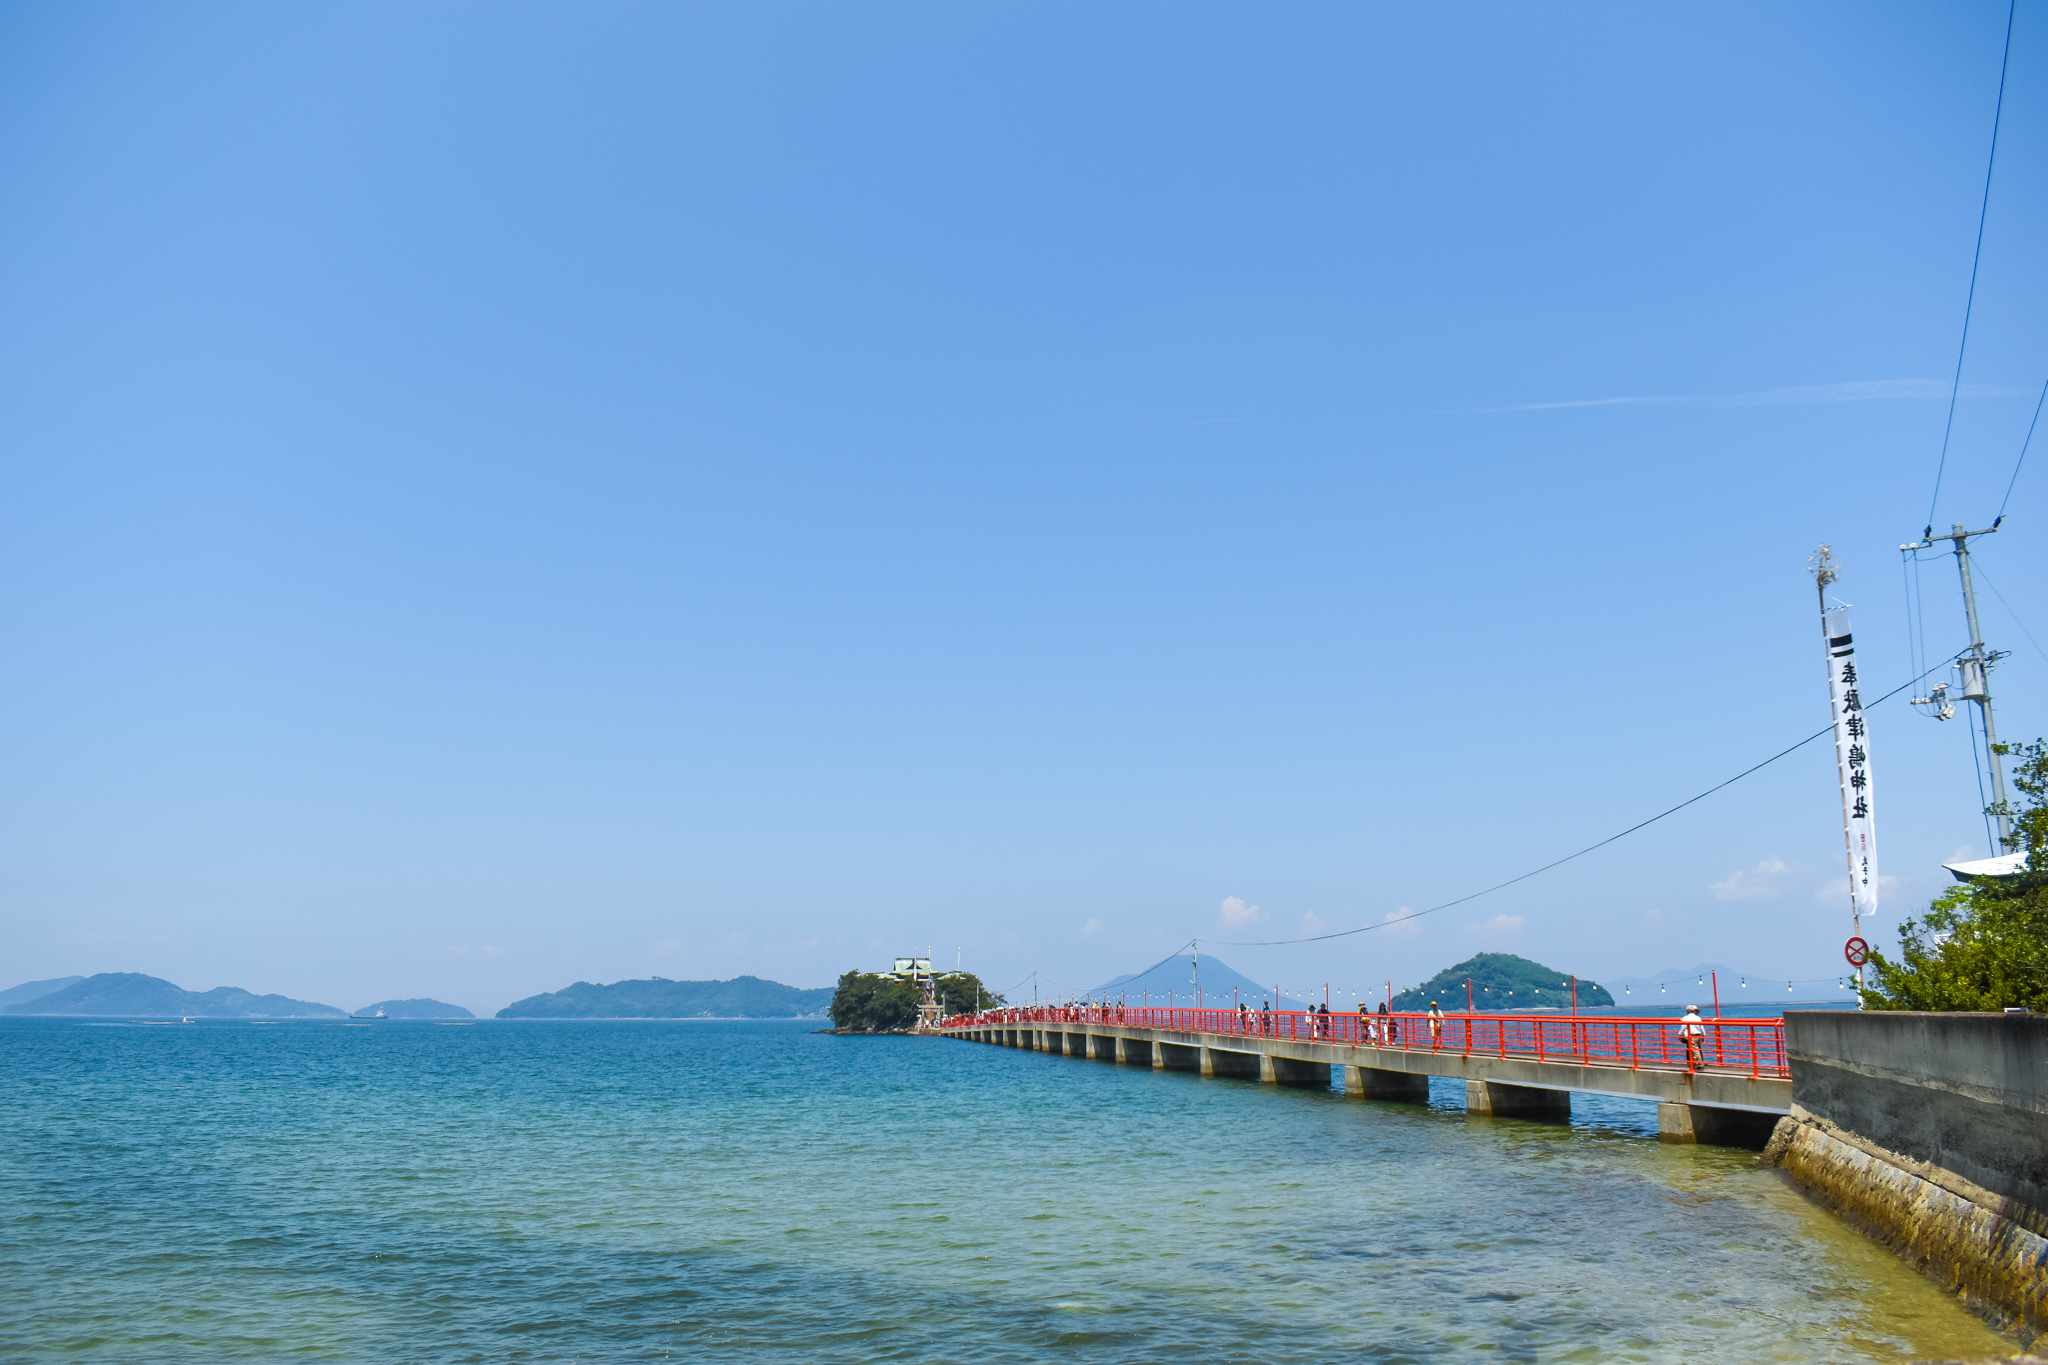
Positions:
(751, 1191)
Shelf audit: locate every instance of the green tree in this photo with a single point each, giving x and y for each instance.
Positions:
(963, 993)
(1981, 945)
(872, 1003)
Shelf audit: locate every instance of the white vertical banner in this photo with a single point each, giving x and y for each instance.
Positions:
(1852, 761)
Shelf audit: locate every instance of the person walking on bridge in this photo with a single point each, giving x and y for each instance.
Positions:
(1694, 1030)
(1436, 1025)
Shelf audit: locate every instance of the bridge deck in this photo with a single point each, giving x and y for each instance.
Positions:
(1511, 1065)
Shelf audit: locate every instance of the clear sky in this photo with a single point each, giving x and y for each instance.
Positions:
(501, 494)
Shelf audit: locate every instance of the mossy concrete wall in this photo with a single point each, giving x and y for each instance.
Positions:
(1965, 1092)
(1930, 1131)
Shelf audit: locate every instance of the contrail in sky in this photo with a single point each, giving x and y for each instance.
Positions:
(1858, 392)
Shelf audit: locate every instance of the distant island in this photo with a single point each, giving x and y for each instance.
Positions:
(743, 997)
(414, 1009)
(35, 990)
(132, 993)
(1176, 979)
(1500, 982)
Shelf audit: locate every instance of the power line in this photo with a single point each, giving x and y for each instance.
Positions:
(1970, 303)
(2023, 452)
(1389, 923)
(2009, 611)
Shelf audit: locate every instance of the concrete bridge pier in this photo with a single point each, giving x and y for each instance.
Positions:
(1493, 1099)
(1296, 1075)
(1371, 1083)
(1181, 1057)
(1218, 1061)
(1712, 1124)
(1103, 1047)
(1134, 1052)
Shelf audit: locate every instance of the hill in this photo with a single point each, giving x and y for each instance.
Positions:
(1501, 981)
(132, 993)
(414, 1009)
(1174, 974)
(31, 990)
(743, 997)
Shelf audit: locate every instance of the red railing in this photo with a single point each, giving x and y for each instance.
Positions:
(1752, 1047)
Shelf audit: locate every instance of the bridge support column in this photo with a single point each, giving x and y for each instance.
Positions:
(1218, 1061)
(1135, 1052)
(1287, 1071)
(1102, 1047)
(1180, 1057)
(1516, 1101)
(1371, 1083)
(1713, 1126)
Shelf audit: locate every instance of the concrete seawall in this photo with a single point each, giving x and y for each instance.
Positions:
(1930, 1131)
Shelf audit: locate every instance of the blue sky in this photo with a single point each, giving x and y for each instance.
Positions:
(498, 495)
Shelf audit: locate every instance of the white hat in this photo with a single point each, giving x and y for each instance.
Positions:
(1692, 1009)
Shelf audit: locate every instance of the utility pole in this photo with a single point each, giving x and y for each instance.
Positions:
(1976, 666)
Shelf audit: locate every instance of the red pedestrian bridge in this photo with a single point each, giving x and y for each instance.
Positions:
(1725, 1081)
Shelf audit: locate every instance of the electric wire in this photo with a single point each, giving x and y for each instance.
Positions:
(1976, 258)
(1982, 800)
(1497, 886)
(1906, 591)
(2023, 452)
(2008, 609)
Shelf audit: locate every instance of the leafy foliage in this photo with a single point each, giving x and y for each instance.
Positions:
(1982, 945)
(871, 1003)
(1500, 981)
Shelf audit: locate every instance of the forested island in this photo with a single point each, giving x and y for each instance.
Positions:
(743, 997)
(882, 1002)
(1501, 981)
(132, 993)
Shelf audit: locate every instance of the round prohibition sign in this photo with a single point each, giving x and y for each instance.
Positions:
(1857, 951)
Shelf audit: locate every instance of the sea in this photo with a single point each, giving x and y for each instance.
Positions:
(756, 1191)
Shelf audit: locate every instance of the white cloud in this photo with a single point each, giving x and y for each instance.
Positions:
(1312, 923)
(1836, 892)
(1400, 925)
(1661, 917)
(1500, 926)
(1235, 911)
(1764, 880)
(1965, 853)
(1091, 928)
(1860, 391)
(490, 951)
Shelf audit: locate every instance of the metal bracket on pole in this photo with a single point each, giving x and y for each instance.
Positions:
(1976, 664)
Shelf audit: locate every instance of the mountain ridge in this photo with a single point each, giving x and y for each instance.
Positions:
(122, 994)
(743, 997)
